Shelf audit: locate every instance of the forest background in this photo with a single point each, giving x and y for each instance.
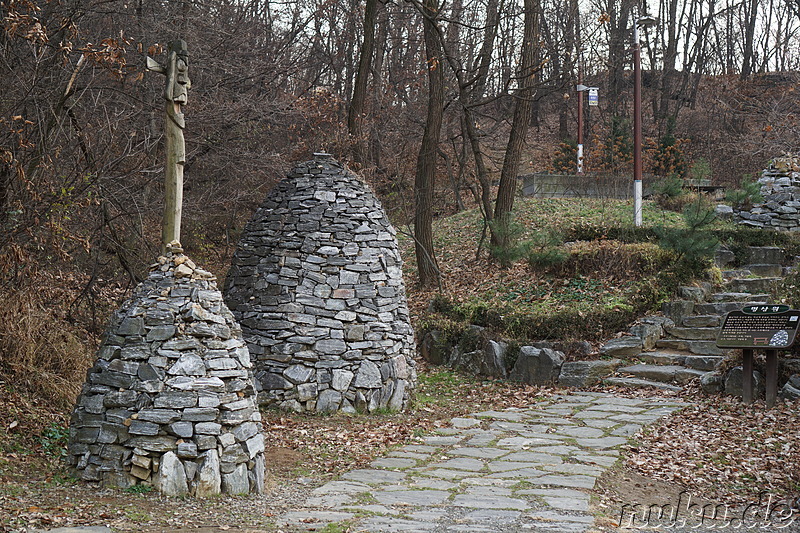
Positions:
(439, 106)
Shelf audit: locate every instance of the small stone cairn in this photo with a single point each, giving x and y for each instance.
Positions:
(780, 187)
(170, 401)
(317, 285)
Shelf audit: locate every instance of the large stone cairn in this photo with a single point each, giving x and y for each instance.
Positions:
(316, 283)
(780, 187)
(170, 401)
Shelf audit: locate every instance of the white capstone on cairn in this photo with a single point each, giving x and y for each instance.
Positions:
(317, 285)
(170, 400)
(780, 187)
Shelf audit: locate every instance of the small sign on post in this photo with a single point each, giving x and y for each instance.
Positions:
(769, 327)
(593, 97)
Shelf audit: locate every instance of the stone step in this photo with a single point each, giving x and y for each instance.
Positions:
(752, 285)
(702, 362)
(702, 321)
(767, 270)
(760, 255)
(738, 296)
(721, 308)
(695, 347)
(662, 373)
(693, 334)
(663, 357)
(731, 274)
(636, 383)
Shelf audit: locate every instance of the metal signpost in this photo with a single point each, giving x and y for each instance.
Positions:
(767, 327)
(593, 102)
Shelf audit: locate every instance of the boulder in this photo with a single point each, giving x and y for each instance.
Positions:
(586, 373)
(537, 366)
(712, 382)
(733, 382)
(493, 363)
(622, 347)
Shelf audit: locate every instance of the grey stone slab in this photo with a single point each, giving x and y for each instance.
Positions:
(513, 416)
(409, 455)
(474, 528)
(561, 449)
(534, 457)
(418, 448)
(437, 440)
(504, 425)
(635, 419)
(575, 481)
(490, 482)
(627, 430)
(615, 408)
(526, 474)
(602, 442)
(86, 529)
(444, 473)
(428, 483)
(600, 423)
(341, 487)
(573, 468)
(448, 431)
(393, 462)
(554, 493)
(549, 420)
(568, 504)
(374, 477)
(482, 439)
(372, 509)
(520, 442)
(594, 413)
(614, 400)
(388, 524)
(479, 453)
(464, 422)
(329, 501)
(416, 498)
(461, 463)
(493, 516)
(601, 460)
(313, 518)
(555, 516)
(578, 431)
(557, 410)
(489, 489)
(506, 466)
(478, 501)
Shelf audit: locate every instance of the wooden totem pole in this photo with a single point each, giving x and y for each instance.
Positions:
(176, 94)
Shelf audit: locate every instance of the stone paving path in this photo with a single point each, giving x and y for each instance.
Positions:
(495, 471)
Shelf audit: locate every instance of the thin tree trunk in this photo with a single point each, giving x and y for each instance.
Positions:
(519, 127)
(426, 161)
(355, 114)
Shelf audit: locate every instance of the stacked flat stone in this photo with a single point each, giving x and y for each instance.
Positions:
(780, 187)
(317, 285)
(170, 401)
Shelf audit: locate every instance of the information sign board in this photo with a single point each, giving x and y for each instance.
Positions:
(771, 327)
(593, 98)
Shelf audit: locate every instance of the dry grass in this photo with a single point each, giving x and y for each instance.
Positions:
(40, 352)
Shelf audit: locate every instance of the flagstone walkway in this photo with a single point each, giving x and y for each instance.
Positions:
(495, 471)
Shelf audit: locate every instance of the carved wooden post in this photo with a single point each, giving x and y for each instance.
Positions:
(176, 95)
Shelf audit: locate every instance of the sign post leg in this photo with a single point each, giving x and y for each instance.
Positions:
(772, 377)
(747, 375)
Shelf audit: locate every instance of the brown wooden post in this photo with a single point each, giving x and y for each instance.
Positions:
(176, 71)
(772, 377)
(747, 375)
